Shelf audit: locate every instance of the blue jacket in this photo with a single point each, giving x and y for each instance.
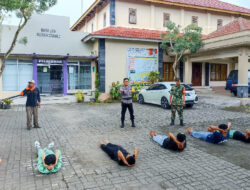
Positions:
(33, 96)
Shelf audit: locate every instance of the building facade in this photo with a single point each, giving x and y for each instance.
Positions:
(54, 57)
(117, 26)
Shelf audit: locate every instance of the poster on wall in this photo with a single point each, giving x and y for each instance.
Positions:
(140, 62)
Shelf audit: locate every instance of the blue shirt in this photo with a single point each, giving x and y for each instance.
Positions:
(33, 96)
(217, 137)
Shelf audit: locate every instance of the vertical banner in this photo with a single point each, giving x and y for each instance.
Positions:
(140, 62)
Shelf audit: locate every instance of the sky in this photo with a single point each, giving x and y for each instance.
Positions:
(75, 8)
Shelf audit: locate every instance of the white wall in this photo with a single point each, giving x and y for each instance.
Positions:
(116, 58)
(183, 17)
(69, 42)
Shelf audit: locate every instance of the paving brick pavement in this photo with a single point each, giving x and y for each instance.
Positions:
(76, 129)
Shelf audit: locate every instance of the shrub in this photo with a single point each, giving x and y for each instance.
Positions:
(7, 101)
(97, 88)
(115, 91)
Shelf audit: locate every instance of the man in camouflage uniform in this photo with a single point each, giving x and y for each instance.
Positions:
(177, 101)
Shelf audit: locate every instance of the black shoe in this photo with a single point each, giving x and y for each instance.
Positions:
(37, 127)
(133, 124)
(181, 123)
(172, 122)
(122, 125)
(28, 128)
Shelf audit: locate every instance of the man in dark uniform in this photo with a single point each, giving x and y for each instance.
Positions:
(126, 92)
(32, 104)
(177, 101)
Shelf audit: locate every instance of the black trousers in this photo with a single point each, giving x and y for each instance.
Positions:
(130, 109)
(240, 137)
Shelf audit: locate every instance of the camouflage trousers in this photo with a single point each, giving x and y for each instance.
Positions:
(179, 109)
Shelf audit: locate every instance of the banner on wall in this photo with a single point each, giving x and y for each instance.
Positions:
(140, 62)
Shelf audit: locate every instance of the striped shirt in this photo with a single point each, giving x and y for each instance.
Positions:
(126, 93)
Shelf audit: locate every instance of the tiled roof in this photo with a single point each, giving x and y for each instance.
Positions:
(235, 26)
(123, 32)
(214, 4)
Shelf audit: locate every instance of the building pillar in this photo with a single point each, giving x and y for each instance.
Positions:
(207, 71)
(35, 69)
(65, 76)
(242, 87)
(102, 64)
(112, 12)
(188, 71)
(160, 60)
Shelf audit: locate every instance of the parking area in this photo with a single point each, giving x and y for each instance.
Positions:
(77, 128)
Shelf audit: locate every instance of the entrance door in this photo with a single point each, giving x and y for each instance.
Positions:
(56, 79)
(168, 72)
(197, 74)
(50, 79)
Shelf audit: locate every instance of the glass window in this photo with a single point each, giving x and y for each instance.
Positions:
(195, 20)
(17, 74)
(25, 69)
(85, 75)
(104, 20)
(219, 24)
(166, 18)
(10, 76)
(73, 76)
(218, 72)
(132, 16)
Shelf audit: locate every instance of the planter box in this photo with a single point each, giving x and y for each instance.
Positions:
(6, 106)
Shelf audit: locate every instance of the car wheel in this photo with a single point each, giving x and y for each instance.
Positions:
(164, 103)
(141, 99)
(189, 105)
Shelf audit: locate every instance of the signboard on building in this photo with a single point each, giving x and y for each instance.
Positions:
(140, 62)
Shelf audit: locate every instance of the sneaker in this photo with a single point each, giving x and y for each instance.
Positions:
(37, 144)
(51, 145)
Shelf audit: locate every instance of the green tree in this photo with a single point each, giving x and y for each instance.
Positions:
(23, 9)
(154, 77)
(177, 43)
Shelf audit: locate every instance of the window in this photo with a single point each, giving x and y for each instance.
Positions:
(104, 20)
(166, 18)
(218, 72)
(195, 20)
(219, 24)
(79, 75)
(92, 27)
(17, 74)
(132, 16)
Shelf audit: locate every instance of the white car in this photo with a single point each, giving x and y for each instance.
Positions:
(159, 94)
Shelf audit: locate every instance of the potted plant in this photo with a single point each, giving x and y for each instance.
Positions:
(79, 97)
(7, 103)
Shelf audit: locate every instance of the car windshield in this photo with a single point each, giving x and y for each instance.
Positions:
(233, 74)
(187, 87)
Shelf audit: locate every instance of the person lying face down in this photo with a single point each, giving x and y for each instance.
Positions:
(215, 134)
(119, 154)
(49, 161)
(171, 142)
(237, 135)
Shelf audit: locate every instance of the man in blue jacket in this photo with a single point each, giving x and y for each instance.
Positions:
(32, 104)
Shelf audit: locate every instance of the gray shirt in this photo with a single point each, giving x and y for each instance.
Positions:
(126, 93)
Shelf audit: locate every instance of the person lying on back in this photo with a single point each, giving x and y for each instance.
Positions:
(215, 134)
(171, 142)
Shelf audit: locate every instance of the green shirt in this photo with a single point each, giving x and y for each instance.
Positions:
(177, 93)
(231, 134)
(40, 165)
